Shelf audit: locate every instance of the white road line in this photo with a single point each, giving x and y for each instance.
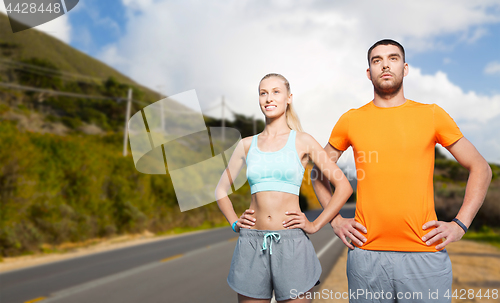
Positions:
(94, 283)
(327, 246)
(57, 296)
(85, 286)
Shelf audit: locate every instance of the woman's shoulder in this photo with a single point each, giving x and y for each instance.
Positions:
(305, 142)
(304, 138)
(247, 141)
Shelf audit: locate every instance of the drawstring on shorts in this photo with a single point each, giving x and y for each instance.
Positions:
(272, 235)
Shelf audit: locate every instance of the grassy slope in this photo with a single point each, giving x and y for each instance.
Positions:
(35, 44)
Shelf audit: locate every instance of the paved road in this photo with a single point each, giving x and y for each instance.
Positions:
(191, 268)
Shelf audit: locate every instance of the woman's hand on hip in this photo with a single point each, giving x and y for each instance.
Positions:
(298, 219)
(246, 220)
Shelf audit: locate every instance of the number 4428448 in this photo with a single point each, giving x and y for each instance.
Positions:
(472, 294)
(31, 8)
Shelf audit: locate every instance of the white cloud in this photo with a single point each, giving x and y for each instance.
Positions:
(221, 48)
(484, 135)
(478, 116)
(59, 28)
(492, 68)
(437, 88)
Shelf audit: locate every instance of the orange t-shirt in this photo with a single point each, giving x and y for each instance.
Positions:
(394, 155)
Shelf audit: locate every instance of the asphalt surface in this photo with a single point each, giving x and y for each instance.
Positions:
(190, 268)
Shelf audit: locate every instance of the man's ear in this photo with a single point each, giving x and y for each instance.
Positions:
(368, 74)
(406, 70)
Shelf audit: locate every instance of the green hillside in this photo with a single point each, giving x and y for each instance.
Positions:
(35, 44)
(36, 60)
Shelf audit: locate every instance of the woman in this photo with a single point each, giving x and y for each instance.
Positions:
(273, 251)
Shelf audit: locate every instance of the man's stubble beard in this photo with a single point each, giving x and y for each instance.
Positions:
(390, 91)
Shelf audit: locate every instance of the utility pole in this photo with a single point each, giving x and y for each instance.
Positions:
(254, 125)
(162, 117)
(223, 122)
(127, 117)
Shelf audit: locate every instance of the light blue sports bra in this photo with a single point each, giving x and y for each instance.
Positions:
(281, 170)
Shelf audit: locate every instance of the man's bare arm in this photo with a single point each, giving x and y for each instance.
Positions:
(343, 228)
(475, 192)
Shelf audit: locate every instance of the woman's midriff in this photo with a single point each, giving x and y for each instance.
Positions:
(270, 208)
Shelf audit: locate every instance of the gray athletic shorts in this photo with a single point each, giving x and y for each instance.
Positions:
(279, 260)
(390, 276)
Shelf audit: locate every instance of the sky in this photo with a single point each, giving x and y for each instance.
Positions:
(223, 48)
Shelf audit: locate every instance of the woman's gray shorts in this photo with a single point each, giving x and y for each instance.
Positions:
(279, 260)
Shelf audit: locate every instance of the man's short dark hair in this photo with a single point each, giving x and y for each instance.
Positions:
(386, 42)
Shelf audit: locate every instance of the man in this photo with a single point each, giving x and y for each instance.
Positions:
(399, 250)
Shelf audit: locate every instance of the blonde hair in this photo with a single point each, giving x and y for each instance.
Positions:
(292, 119)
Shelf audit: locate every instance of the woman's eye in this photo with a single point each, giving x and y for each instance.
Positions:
(262, 94)
(276, 91)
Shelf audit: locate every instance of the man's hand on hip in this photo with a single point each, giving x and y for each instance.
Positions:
(348, 228)
(449, 231)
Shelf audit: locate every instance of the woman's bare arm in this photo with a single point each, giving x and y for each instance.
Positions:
(234, 167)
(334, 174)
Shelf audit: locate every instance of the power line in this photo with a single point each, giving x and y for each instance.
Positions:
(54, 92)
(138, 102)
(38, 70)
(44, 73)
(59, 73)
(212, 108)
(117, 99)
(67, 94)
(65, 73)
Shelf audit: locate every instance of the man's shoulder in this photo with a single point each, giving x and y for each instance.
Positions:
(359, 109)
(367, 106)
(420, 104)
(423, 108)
